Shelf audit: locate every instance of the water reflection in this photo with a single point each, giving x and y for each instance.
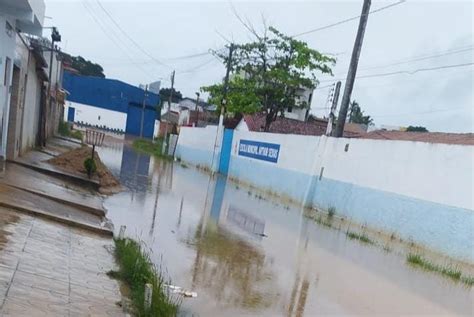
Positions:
(245, 255)
(233, 271)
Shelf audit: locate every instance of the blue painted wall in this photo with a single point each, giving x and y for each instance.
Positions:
(105, 93)
(115, 95)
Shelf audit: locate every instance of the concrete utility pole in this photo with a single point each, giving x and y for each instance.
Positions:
(170, 99)
(197, 109)
(332, 114)
(341, 120)
(226, 81)
(143, 111)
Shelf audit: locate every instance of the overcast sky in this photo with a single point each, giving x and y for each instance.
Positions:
(441, 100)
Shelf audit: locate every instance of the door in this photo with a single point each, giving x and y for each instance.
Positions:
(71, 112)
(225, 152)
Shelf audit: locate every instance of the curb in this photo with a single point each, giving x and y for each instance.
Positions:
(65, 175)
(88, 209)
(49, 216)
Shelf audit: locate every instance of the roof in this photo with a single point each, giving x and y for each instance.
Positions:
(171, 117)
(313, 126)
(430, 137)
(106, 93)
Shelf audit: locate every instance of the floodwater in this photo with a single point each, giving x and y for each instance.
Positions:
(246, 255)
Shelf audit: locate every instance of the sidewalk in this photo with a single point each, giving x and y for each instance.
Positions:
(49, 269)
(55, 243)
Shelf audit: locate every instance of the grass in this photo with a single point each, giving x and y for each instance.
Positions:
(136, 269)
(362, 237)
(64, 130)
(331, 211)
(147, 146)
(445, 270)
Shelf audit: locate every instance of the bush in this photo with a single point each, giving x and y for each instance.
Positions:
(90, 166)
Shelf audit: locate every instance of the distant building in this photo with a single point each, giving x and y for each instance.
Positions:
(110, 104)
(300, 112)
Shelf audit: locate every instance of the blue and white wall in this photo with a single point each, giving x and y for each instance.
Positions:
(420, 191)
(95, 115)
(196, 146)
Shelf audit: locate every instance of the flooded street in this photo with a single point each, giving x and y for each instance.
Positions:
(247, 255)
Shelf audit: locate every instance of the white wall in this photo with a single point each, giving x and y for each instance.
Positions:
(438, 173)
(7, 49)
(96, 116)
(31, 112)
(196, 145)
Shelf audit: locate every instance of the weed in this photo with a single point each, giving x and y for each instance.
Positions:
(331, 211)
(448, 271)
(150, 147)
(249, 193)
(65, 130)
(136, 269)
(362, 237)
(393, 236)
(387, 249)
(183, 165)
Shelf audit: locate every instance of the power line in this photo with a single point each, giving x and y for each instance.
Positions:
(407, 72)
(347, 20)
(417, 59)
(129, 37)
(89, 11)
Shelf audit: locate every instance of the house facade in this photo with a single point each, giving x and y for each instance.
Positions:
(25, 115)
(110, 104)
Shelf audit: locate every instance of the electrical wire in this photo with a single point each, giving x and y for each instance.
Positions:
(348, 20)
(406, 72)
(138, 46)
(113, 40)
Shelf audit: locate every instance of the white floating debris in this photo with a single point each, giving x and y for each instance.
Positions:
(179, 290)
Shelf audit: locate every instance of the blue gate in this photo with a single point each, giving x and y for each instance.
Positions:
(134, 118)
(225, 152)
(71, 112)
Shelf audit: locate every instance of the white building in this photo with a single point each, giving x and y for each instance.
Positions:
(16, 16)
(303, 100)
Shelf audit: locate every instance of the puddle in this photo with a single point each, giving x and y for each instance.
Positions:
(248, 256)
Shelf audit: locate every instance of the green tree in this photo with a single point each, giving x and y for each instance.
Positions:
(356, 115)
(83, 66)
(416, 129)
(166, 92)
(268, 72)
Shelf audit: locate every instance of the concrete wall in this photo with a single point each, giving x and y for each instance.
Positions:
(7, 50)
(96, 116)
(419, 191)
(196, 145)
(31, 112)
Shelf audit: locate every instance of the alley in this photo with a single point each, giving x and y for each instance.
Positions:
(245, 254)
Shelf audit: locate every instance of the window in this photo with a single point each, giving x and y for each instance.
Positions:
(290, 109)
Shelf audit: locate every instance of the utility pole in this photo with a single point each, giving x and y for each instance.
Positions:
(220, 127)
(226, 81)
(143, 111)
(55, 37)
(197, 109)
(341, 120)
(332, 114)
(170, 99)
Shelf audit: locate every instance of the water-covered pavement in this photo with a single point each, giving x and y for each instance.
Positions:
(246, 255)
(50, 269)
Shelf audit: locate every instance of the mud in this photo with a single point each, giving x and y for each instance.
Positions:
(73, 161)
